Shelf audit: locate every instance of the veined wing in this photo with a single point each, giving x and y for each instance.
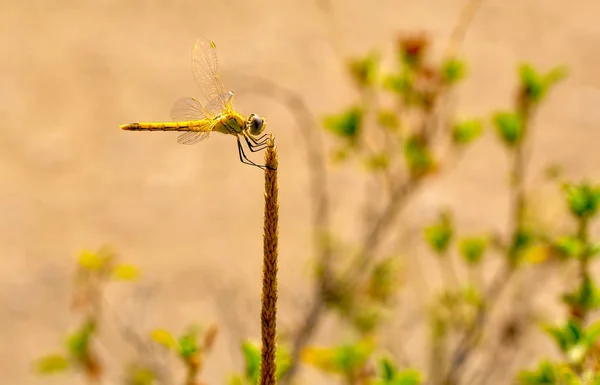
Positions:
(205, 66)
(186, 109)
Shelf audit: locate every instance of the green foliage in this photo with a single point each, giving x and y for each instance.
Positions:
(574, 340)
(400, 84)
(412, 50)
(569, 247)
(188, 345)
(509, 127)
(384, 280)
(365, 70)
(453, 70)
(472, 249)
(549, 373)
(583, 199)
(347, 124)
(388, 120)
(252, 359)
(535, 85)
(140, 375)
(439, 235)
(418, 157)
(163, 338)
(585, 297)
(78, 343)
(466, 131)
(344, 359)
(380, 161)
(523, 240)
(389, 374)
(52, 363)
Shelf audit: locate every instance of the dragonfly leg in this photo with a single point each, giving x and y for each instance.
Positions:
(244, 159)
(255, 147)
(260, 138)
(258, 141)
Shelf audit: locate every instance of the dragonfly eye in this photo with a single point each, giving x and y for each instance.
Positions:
(256, 124)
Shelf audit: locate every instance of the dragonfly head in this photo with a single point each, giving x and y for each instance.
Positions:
(256, 124)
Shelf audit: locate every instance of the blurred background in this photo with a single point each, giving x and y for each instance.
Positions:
(190, 217)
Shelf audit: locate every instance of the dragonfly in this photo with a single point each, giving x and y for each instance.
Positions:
(197, 120)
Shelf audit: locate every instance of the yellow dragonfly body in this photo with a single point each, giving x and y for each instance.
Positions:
(197, 120)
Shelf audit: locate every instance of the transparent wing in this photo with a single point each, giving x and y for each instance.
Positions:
(191, 109)
(192, 137)
(188, 109)
(205, 66)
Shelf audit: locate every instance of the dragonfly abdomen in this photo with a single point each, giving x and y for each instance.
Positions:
(164, 126)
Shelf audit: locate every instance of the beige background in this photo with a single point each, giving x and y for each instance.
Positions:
(190, 216)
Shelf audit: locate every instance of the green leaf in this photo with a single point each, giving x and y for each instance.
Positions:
(163, 338)
(466, 132)
(367, 317)
(408, 377)
(379, 161)
(471, 295)
(188, 346)
(283, 359)
(53, 363)
(566, 336)
(510, 127)
(401, 84)
(125, 272)
(532, 83)
(388, 119)
(522, 241)
(472, 249)
(583, 199)
(569, 247)
(548, 373)
(418, 157)
(78, 343)
(439, 235)
(236, 379)
(384, 279)
(535, 85)
(388, 369)
(592, 334)
(139, 375)
(343, 359)
(412, 49)
(365, 70)
(347, 124)
(453, 70)
(352, 357)
(252, 358)
(587, 296)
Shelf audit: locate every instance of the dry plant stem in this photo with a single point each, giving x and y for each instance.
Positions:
(465, 19)
(268, 315)
(306, 124)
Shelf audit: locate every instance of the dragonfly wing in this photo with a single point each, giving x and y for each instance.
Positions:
(205, 66)
(192, 137)
(188, 109)
(216, 104)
